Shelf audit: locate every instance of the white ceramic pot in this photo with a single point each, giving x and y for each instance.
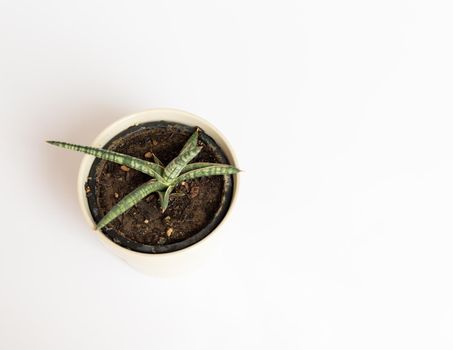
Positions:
(166, 263)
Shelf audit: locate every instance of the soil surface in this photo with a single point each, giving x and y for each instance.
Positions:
(193, 203)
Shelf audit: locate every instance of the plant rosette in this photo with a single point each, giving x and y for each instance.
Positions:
(156, 185)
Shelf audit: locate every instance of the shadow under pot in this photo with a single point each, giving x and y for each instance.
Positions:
(196, 206)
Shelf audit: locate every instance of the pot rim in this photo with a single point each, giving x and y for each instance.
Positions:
(150, 115)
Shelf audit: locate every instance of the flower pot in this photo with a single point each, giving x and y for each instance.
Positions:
(178, 253)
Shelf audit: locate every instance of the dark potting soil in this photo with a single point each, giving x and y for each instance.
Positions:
(193, 204)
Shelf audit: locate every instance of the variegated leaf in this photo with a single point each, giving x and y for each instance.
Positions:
(130, 200)
(166, 198)
(143, 166)
(174, 168)
(219, 169)
(191, 142)
(199, 165)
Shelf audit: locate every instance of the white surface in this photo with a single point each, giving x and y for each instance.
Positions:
(341, 115)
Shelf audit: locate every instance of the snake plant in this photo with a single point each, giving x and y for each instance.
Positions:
(163, 178)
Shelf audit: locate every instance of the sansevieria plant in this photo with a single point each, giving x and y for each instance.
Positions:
(164, 178)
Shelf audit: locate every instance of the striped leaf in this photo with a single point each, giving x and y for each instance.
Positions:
(191, 142)
(143, 166)
(166, 198)
(130, 200)
(199, 165)
(218, 169)
(174, 168)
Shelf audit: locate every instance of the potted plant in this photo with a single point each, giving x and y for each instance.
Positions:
(155, 184)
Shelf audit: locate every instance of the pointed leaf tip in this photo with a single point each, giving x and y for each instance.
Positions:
(141, 165)
(219, 169)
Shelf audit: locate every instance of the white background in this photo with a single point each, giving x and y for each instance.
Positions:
(340, 113)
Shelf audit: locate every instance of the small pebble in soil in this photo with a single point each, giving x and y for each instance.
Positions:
(154, 142)
(124, 168)
(146, 221)
(161, 240)
(176, 195)
(169, 231)
(148, 155)
(116, 195)
(167, 218)
(87, 189)
(194, 192)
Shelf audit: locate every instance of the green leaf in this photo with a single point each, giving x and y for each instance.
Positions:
(199, 165)
(191, 142)
(161, 196)
(141, 165)
(219, 169)
(166, 198)
(130, 200)
(157, 161)
(174, 168)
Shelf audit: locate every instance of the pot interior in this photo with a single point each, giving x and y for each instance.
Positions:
(149, 231)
